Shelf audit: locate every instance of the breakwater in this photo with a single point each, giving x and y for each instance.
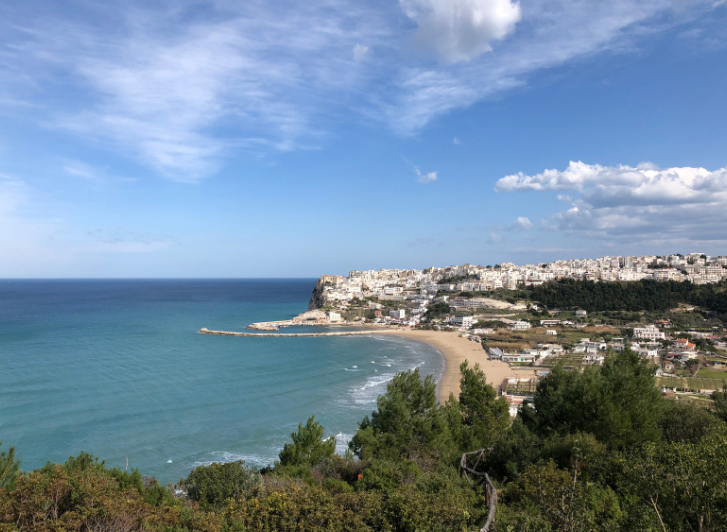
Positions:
(284, 335)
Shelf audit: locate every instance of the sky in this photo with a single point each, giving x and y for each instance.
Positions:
(219, 138)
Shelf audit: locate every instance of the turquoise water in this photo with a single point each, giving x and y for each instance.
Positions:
(116, 368)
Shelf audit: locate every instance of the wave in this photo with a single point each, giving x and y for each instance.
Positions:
(225, 457)
(342, 440)
(372, 388)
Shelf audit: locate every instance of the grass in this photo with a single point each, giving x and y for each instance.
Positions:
(689, 383)
(571, 360)
(521, 387)
(712, 374)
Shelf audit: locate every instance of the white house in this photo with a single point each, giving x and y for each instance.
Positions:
(554, 349)
(551, 332)
(581, 313)
(647, 352)
(520, 326)
(398, 314)
(593, 359)
(518, 357)
(334, 317)
(464, 321)
(650, 333)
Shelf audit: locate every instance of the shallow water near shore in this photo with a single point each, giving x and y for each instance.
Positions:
(116, 368)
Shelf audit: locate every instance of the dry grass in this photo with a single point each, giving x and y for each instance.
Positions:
(601, 329)
(509, 346)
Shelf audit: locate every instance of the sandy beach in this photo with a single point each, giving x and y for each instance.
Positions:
(455, 350)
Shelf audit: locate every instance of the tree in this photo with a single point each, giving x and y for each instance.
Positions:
(479, 415)
(437, 309)
(308, 447)
(618, 403)
(407, 420)
(683, 421)
(9, 468)
(720, 402)
(694, 366)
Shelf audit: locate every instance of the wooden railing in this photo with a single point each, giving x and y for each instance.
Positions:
(480, 478)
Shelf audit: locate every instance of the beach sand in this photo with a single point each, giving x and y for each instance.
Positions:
(456, 350)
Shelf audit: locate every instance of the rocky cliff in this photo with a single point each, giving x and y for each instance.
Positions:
(316, 299)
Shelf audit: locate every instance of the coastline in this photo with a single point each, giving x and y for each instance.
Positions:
(456, 350)
(453, 348)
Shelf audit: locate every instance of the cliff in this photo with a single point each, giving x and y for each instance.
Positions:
(317, 300)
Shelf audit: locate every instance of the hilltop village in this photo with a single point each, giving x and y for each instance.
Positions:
(529, 315)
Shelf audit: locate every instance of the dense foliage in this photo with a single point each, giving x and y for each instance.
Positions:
(630, 296)
(600, 450)
(308, 446)
(9, 468)
(437, 309)
(214, 484)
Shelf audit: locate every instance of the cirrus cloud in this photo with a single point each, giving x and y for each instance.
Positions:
(182, 86)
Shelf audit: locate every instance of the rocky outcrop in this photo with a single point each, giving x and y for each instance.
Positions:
(316, 299)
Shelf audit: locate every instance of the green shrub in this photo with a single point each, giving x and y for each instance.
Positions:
(216, 483)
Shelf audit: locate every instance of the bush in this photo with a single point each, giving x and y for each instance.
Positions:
(216, 483)
(387, 475)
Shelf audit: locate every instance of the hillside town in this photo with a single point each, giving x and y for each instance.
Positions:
(421, 285)
(487, 304)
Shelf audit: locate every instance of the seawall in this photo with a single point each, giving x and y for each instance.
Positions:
(291, 335)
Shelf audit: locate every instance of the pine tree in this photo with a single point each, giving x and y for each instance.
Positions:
(9, 468)
(308, 447)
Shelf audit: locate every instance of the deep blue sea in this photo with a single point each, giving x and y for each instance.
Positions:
(117, 369)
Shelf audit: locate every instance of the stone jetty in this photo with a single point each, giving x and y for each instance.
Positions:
(291, 335)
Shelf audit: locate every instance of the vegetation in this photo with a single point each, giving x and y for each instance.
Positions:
(214, 484)
(308, 447)
(436, 310)
(598, 450)
(9, 468)
(644, 295)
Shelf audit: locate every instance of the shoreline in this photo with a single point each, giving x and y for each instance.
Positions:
(453, 348)
(456, 350)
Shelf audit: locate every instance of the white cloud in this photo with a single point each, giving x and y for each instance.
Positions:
(551, 33)
(360, 52)
(425, 178)
(456, 141)
(521, 224)
(494, 238)
(460, 30)
(644, 201)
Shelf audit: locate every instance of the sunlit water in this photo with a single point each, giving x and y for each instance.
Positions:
(116, 368)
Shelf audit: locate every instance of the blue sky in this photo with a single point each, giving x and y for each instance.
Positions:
(292, 139)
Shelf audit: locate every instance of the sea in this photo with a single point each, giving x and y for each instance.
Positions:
(116, 368)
